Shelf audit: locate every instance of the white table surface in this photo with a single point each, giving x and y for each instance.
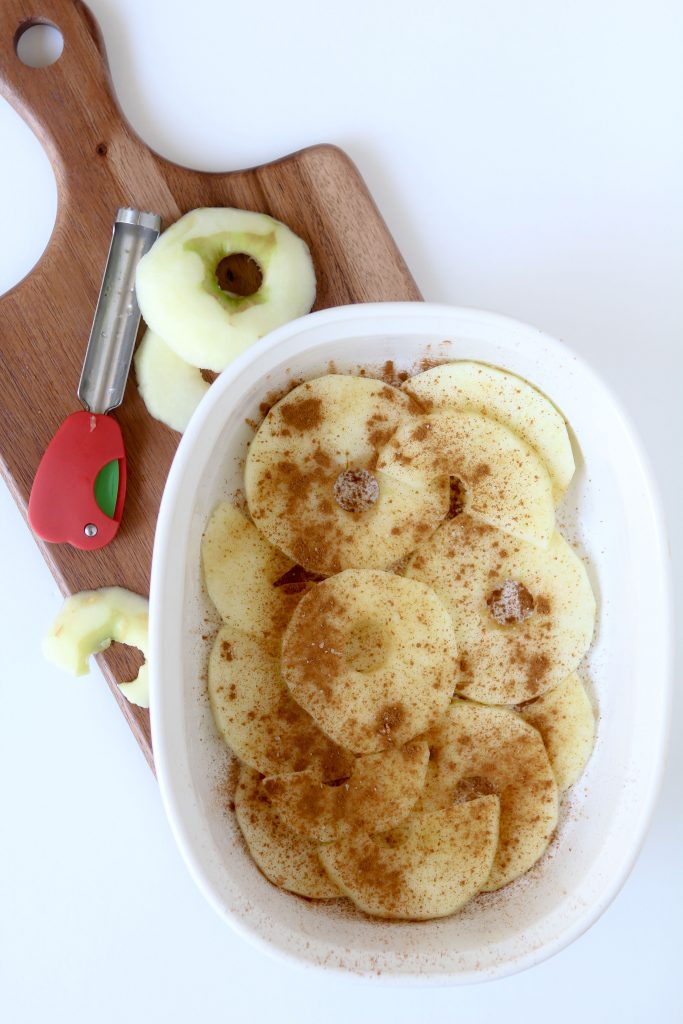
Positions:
(528, 158)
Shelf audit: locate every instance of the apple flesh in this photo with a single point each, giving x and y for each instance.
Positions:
(170, 388)
(380, 792)
(286, 858)
(468, 564)
(184, 297)
(477, 750)
(464, 385)
(428, 867)
(564, 717)
(89, 622)
(311, 481)
(506, 484)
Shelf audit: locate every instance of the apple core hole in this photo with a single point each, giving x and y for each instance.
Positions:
(239, 275)
(364, 646)
(356, 490)
(38, 44)
(510, 603)
(457, 498)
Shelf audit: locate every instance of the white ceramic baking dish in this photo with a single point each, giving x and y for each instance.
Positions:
(611, 514)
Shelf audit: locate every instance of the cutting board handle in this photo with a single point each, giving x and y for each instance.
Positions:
(70, 105)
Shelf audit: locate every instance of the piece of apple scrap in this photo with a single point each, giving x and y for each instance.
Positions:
(89, 622)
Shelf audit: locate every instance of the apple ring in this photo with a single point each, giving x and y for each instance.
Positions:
(523, 616)
(219, 279)
(311, 482)
(505, 482)
(243, 574)
(371, 657)
(254, 712)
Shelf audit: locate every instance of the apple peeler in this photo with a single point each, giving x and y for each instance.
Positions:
(80, 485)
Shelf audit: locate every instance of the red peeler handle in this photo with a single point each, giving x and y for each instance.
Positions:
(62, 507)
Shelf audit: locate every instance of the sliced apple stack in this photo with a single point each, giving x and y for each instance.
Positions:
(404, 735)
(245, 575)
(564, 717)
(257, 716)
(380, 792)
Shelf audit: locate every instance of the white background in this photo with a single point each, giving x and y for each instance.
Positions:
(528, 158)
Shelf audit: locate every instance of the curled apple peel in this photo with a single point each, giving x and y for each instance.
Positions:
(92, 620)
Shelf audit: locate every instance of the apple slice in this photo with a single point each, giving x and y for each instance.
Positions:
(219, 279)
(477, 750)
(428, 867)
(241, 570)
(286, 858)
(564, 717)
(505, 483)
(89, 622)
(380, 792)
(466, 386)
(371, 657)
(256, 716)
(523, 616)
(170, 388)
(311, 479)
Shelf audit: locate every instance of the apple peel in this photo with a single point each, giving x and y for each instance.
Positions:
(89, 622)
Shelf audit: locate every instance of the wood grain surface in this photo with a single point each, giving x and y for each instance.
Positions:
(101, 164)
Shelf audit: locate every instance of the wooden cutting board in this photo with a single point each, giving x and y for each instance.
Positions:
(100, 164)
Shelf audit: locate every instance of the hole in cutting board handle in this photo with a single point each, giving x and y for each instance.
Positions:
(38, 44)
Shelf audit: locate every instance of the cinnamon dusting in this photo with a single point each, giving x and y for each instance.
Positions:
(356, 490)
(302, 413)
(510, 603)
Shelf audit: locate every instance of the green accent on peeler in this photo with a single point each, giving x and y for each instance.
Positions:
(107, 487)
